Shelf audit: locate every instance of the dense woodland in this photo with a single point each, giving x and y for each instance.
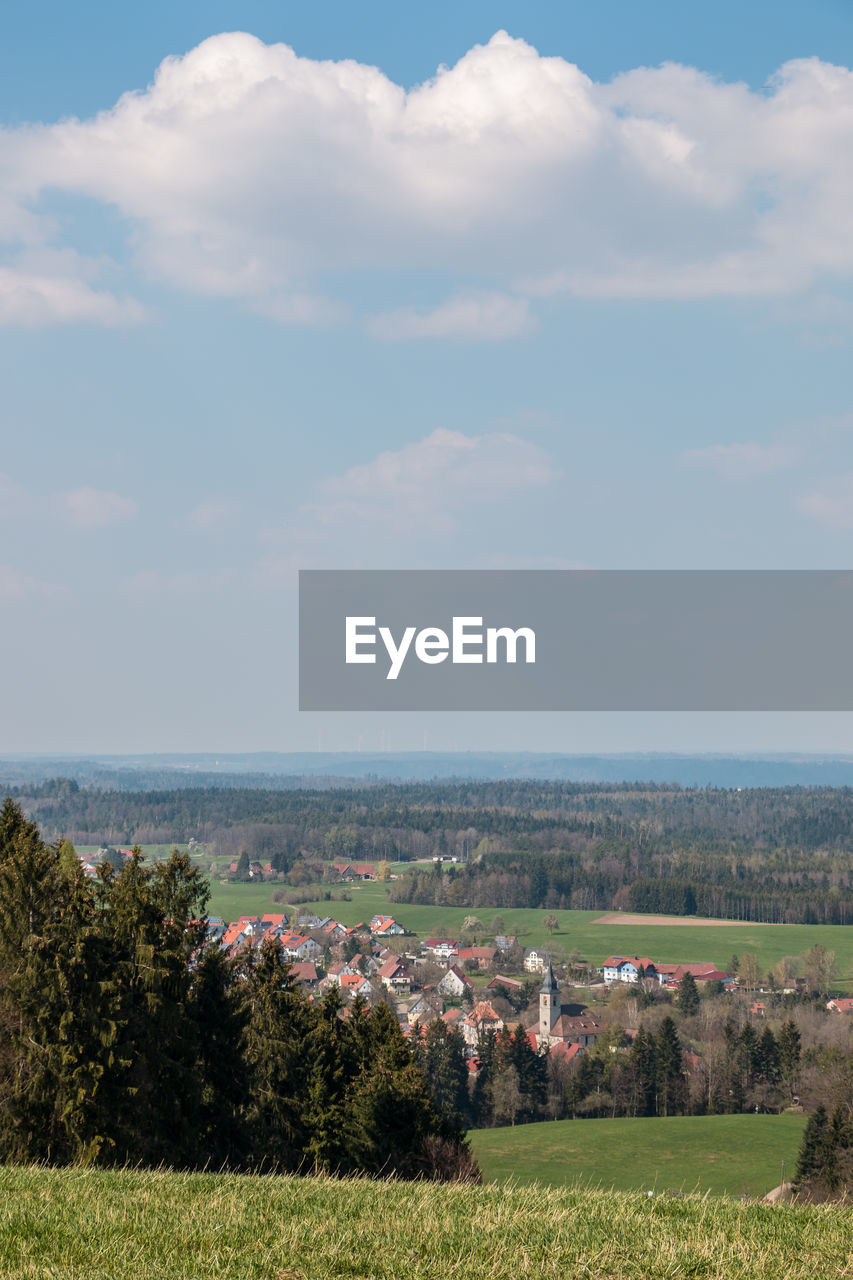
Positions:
(780, 855)
(124, 1038)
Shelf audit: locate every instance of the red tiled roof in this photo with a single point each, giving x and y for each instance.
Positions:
(351, 981)
(482, 1012)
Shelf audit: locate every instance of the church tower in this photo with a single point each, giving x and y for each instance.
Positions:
(549, 1004)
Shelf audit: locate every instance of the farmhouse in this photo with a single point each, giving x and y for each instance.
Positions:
(670, 975)
(483, 957)
(628, 968)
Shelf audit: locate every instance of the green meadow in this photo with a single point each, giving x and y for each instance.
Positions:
(82, 1225)
(577, 930)
(724, 1155)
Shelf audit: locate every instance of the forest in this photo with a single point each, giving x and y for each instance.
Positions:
(778, 855)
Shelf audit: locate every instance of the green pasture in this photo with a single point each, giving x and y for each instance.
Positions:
(576, 931)
(723, 1155)
(79, 1224)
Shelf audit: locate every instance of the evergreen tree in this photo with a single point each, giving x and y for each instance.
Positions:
(688, 999)
(277, 1024)
(789, 1055)
(767, 1057)
(155, 923)
(31, 908)
(441, 1053)
(219, 1008)
(391, 1113)
(330, 1050)
(668, 1069)
(642, 1065)
(812, 1154)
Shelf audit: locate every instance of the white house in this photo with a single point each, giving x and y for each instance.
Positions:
(453, 984)
(535, 960)
(627, 968)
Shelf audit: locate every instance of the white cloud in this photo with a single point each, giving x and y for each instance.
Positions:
(472, 317)
(832, 506)
(96, 508)
(431, 482)
(33, 300)
(15, 586)
(247, 172)
(742, 461)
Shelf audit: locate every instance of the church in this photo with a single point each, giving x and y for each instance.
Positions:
(563, 1024)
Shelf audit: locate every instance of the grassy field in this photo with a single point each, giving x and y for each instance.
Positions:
(723, 1155)
(122, 1226)
(577, 930)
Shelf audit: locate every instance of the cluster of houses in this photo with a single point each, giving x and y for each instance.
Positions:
(634, 969)
(316, 948)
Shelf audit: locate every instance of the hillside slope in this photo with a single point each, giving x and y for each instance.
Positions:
(162, 1226)
(724, 1155)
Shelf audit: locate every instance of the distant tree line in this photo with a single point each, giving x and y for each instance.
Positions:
(125, 1038)
(776, 854)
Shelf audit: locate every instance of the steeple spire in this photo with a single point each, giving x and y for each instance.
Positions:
(549, 982)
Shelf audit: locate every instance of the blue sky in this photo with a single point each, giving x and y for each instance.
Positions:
(378, 286)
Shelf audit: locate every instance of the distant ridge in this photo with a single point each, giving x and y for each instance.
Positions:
(293, 769)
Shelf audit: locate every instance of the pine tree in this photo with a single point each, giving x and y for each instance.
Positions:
(31, 907)
(643, 1068)
(154, 921)
(442, 1058)
(812, 1148)
(218, 1007)
(688, 999)
(789, 1055)
(390, 1109)
(670, 1082)
(277, 1024)
(767, 1057)
(330, 1050)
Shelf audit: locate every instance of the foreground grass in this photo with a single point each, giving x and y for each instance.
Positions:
(75, 1224)
(723, 1155)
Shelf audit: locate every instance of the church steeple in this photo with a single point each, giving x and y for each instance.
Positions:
(549, 1003)
(549, 982)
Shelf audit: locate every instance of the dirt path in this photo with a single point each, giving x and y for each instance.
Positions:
(626, 917)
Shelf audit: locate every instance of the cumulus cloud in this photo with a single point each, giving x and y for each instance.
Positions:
(431, 481)
(96, 508)
(832, 506)
(245, 171)
(742, 461)
(473, 317)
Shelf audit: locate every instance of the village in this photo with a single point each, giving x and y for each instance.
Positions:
(465, 986)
